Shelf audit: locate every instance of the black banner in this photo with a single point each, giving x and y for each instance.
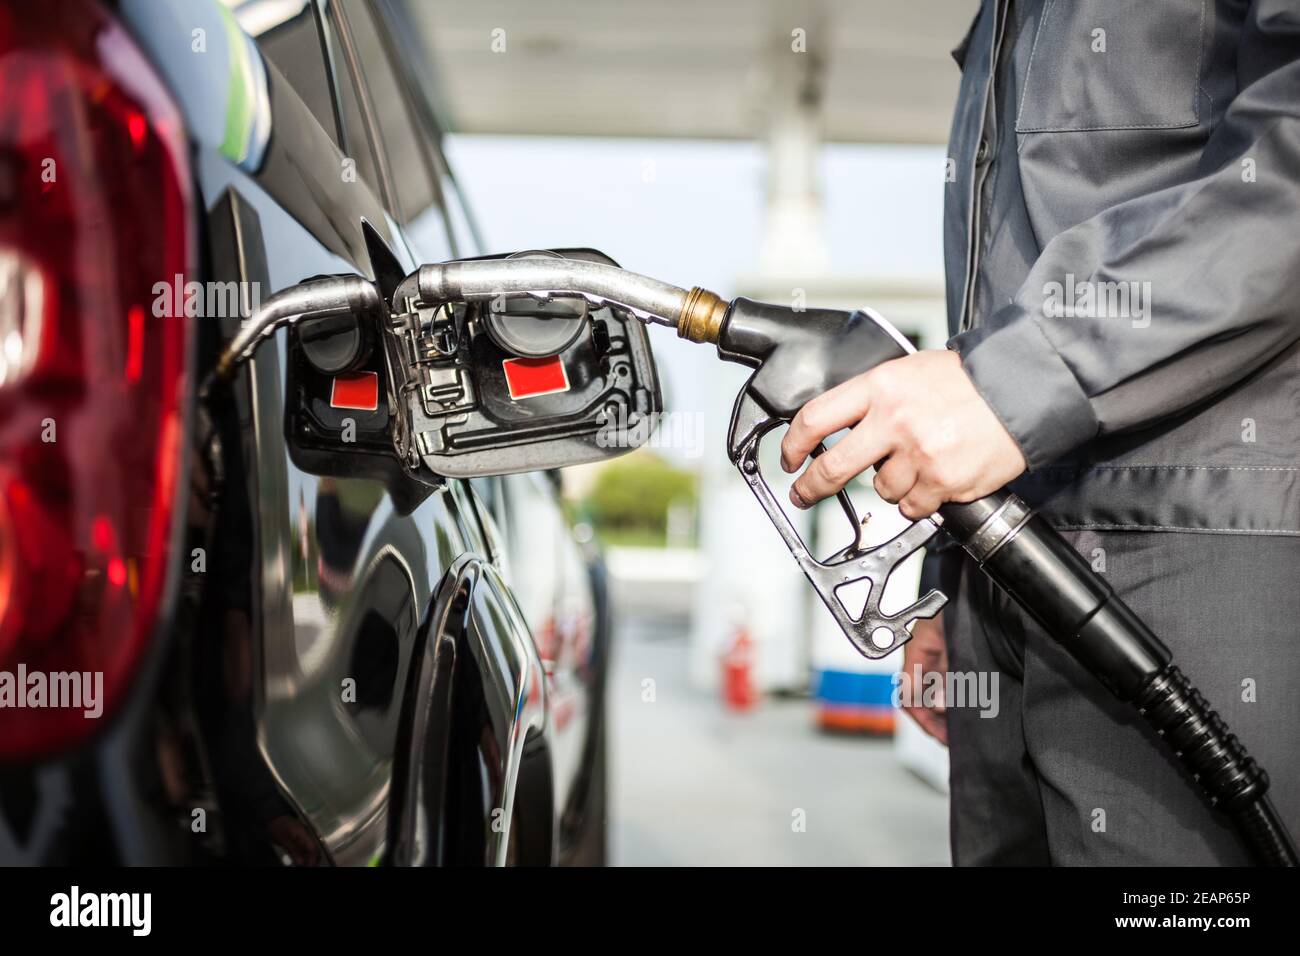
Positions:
(369, 906)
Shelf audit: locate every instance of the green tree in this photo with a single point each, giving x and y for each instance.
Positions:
(630, 498)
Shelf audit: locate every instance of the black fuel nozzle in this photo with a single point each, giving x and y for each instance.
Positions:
(801, 353)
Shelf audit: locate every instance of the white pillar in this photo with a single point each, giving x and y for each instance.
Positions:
(750, 578)
(793, 239)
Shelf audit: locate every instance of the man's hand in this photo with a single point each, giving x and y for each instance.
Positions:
(927, 653)
(921, 418)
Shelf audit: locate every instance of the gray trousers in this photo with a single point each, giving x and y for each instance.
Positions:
(1064, 773)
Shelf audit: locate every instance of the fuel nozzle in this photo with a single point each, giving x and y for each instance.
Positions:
(316, 298)
(482, 280)
(799, 353)
(697, 314)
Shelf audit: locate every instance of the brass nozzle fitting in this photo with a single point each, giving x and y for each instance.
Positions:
(702, 315)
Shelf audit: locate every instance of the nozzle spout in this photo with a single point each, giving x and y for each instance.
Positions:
(542, 278)
(330, 295)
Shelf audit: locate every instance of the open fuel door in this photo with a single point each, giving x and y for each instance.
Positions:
(512, 384)
(429, 388)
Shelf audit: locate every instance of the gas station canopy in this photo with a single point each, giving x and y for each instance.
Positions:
(879, 71)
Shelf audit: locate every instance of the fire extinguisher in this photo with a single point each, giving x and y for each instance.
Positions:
(738, 690)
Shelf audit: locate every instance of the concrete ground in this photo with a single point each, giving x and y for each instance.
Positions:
(692, 784)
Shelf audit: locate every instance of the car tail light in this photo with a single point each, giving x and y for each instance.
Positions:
(94, 212)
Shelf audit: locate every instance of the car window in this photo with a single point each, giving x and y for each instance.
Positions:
(412, 55)
(289, 37)
(413, 186)
(357, 143)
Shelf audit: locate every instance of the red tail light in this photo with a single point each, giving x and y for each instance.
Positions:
(94, 211)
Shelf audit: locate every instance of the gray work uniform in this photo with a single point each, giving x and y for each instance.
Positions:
(1122, 243)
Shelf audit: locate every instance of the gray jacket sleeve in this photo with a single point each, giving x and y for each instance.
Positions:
(1218, 257)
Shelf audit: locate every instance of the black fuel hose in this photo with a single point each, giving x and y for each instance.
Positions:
(1031, 562)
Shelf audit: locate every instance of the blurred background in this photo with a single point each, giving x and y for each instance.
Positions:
(792, 152)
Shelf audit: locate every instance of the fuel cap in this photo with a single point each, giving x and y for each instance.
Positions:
(535, 328)
(334, 344)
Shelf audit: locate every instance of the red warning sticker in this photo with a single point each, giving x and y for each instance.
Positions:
(530, 377)
(359, 390)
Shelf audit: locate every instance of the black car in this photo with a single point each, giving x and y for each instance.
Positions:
(233, 628)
